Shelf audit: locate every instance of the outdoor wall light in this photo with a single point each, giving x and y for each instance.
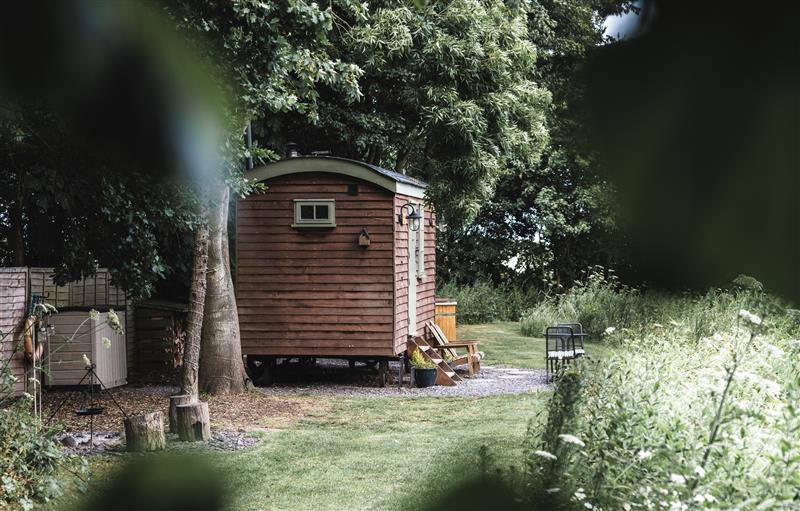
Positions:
(412, 216)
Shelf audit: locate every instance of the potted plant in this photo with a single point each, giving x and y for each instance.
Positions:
(424, 370)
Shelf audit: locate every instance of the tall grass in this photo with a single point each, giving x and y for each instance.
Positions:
(601, 302)
(484, 302)
(698, 410)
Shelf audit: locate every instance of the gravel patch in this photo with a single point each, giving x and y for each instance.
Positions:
(332, 378)
(113, 442)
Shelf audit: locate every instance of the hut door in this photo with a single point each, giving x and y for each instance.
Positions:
(412, 280)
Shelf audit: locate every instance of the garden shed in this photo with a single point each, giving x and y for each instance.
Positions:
(335, 259)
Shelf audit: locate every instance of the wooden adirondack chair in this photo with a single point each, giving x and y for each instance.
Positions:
(472, 358)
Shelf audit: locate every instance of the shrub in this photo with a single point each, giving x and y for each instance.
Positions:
(601, 302)
(484, 302)
(32, 462)
(32, 459)
(676, 421)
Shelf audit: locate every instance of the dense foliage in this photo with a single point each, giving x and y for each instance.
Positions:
(32, 461)
(449, 95)
(65, 209)
(697, 410)
(546, 222)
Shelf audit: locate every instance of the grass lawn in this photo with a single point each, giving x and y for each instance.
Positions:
(383, 453)
(377, 453)
(504, 345)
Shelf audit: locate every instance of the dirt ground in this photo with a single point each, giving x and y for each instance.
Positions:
(250, 411)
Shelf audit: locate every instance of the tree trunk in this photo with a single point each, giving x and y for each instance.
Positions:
(174, 403)
(221, 364)
(194, 318)
(145, 432)
(193, 422)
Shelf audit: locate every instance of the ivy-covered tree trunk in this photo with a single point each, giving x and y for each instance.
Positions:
(221, 366)
(194, 318)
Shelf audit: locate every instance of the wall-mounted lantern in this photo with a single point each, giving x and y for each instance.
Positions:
(412, 216)
(363, 238)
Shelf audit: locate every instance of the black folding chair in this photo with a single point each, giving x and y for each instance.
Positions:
(578, 335)
(559, 348)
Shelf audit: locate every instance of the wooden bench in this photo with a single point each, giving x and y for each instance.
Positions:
(472, 358)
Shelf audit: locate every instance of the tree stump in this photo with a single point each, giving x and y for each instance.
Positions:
(193, 422)
(174, 402)
(145, 432)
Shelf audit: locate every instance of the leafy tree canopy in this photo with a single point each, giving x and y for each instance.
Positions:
(74, 204)
(449, 95)
(555, 218)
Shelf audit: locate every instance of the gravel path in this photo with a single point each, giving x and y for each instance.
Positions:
(332, 378)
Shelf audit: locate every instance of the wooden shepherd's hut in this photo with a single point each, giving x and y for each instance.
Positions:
(335, 260)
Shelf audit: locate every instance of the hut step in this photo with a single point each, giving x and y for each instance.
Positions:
(444, 373)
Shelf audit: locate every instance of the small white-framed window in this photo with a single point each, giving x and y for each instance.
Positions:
(314, 213)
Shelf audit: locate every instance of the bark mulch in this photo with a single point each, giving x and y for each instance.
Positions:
(245, 412)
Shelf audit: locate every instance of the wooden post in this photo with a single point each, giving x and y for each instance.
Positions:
(145, 432)
(193, 422)
(175, 401)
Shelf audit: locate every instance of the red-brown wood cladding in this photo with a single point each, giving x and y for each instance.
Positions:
(316, 292)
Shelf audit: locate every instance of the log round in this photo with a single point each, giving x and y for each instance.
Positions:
(174, 402)
(145, 432)
(193, 422)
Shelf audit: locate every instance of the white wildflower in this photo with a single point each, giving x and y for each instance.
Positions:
(719, 337)
(114, 322)
(700, 471)
(702, 498)
(572, 439)
(677, 479)
(94, 315)
(106, 342)
(674, 323)
(626, 506)
(588, 505)
(644, 455)
(546, 455)
(610, 330)
(658, 325)
(773, 350)
(749, 316)
(770, 387)
(86, 360)
(579, 494)
(553, 490)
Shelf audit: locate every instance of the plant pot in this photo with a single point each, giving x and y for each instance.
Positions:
(424, 377)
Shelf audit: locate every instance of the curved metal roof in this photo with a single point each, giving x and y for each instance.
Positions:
(388, 179)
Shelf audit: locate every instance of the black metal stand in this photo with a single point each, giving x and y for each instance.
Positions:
(91, 410)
